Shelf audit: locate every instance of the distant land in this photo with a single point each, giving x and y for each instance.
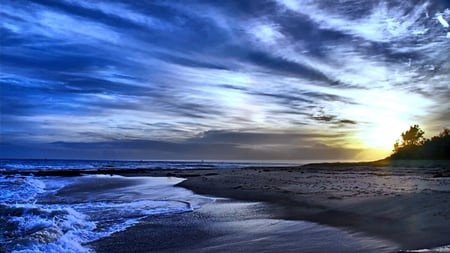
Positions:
(413, 151)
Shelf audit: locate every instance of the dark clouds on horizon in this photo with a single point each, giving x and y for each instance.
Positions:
(279, 79)
(215, 145)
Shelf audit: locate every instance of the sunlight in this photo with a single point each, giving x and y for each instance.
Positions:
(384, 134)
(371, 154)
(387, 113)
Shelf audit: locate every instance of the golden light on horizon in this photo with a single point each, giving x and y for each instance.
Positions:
(384, 115)
(382, 135)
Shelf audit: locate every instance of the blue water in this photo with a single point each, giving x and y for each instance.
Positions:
(65, 214)
(36, 164)
(61, 214)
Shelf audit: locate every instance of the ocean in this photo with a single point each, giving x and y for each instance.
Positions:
(46, 164)
(63, 214)
(66, 214)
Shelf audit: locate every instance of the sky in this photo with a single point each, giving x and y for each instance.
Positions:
(235, 79)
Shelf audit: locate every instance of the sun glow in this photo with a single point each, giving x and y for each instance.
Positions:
(383, 135)
(384, 115)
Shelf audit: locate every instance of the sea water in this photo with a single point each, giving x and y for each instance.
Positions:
(63, 214)
(66, 214)
(45, 165)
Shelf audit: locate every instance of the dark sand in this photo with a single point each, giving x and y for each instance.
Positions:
(405, 208)
(233, 226)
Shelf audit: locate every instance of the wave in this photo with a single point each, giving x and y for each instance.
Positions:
(46, 165)
(53, 214)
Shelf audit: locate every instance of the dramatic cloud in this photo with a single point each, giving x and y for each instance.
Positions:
(273, 79)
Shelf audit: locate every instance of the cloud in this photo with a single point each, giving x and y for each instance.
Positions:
(265, 74)
(258, 138)
(210, 146)
(347, 121)
(123, 11)
(381, 22)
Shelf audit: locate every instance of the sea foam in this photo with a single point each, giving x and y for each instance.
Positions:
(57, 214)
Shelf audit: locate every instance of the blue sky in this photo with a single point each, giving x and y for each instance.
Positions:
(279, 79)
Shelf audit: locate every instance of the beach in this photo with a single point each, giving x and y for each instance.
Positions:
(237, 226)
(343, 207)
(402, 208)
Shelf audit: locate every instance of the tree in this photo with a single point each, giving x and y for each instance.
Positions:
(414, 136)
(410, 138)
(444, 133)
(414, 146)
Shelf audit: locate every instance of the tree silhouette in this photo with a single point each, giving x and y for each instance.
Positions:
(415, 146)
(411, 137)
(414, 136)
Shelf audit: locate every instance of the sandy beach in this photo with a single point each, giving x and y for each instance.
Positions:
(406, 208)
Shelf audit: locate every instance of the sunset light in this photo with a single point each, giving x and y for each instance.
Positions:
(149, 81)
(224, 126)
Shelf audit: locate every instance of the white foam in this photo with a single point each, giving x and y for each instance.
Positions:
(19, 188)
(52, 229)
(65, 228)
(37, 219)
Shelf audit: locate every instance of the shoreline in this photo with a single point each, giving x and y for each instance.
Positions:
(228, 225)
(408, 206)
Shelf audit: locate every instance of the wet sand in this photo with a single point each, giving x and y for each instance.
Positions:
(233, 226)
(408, 207)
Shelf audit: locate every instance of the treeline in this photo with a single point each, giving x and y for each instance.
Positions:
(414, 146)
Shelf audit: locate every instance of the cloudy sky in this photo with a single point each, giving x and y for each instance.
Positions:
(235, 79)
